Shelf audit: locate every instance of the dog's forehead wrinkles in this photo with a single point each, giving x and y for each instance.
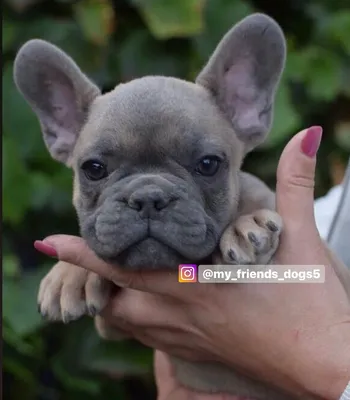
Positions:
(155, 102)
(155, 115)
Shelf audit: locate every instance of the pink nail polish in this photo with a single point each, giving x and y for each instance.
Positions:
(311, 141)
(45, 248)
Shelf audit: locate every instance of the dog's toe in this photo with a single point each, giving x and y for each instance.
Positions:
(48, 299)
(97, 293)
(252, 239)
(68, 292)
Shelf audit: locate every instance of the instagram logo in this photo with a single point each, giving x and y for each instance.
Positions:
(187, 273)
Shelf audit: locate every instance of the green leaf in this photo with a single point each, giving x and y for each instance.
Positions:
(21, 344)
(319, 69)
(172, 18)
(219, 17)
(140, 54)
(15, 367)
(11, 267)
(43, 188)
(55, 30)
(9, 32)
(15, 185)
(118, 357)
(76, 381)
(286, 119)
(23, 143)
(337, 28)
(67, 35)
(325, 77)
(51, 190)
(96, 19)
(20, 302)
(84, 350)
(297, 65)
(20, 124)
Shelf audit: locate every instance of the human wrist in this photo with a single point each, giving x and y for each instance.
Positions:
(319, 368)
(328, 383)
(325, 371)
(337, 384)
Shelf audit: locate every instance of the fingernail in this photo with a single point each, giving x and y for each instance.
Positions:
(311, 141)
(45, 248)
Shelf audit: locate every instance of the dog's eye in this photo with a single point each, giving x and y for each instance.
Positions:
(94, 170)
(208, 165)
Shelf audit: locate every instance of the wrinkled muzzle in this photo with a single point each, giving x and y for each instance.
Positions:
(150, 221)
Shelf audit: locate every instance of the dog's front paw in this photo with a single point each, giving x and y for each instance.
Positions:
(68, 292)
(251, 239)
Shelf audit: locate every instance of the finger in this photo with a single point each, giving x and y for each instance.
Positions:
(147, 310)
(296, 179)
(66, 247)
(74, 250)
(295, 199)
(169, 388)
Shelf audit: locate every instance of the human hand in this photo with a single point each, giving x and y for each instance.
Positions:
(296, 336)
(169, 389)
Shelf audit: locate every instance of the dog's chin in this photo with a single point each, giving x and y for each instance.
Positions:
(148, 254)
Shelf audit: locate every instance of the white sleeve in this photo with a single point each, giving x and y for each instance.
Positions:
(325, 208)
(346, 393)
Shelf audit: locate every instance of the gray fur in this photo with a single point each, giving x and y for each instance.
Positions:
(164, 125)
(153, 210)
(154, 119)
(243, 75)
(58, 92)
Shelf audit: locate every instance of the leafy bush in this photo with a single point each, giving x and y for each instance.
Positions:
(115, 42)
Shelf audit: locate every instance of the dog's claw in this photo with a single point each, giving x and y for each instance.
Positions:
(253, 238)
(67, 317)
(232, 255)
(272, 226)
(92, 310)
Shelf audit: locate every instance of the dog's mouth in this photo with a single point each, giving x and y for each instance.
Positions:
(182, 233)
(148, 253)
(172, 239)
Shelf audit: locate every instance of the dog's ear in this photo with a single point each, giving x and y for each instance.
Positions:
(58, 92)
(243, 74)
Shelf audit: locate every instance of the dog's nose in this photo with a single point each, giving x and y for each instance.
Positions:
(148, 199)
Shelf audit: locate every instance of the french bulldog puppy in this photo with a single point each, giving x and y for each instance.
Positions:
(157, 171)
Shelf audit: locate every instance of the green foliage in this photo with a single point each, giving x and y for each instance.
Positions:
(172, 18)
(115, 41)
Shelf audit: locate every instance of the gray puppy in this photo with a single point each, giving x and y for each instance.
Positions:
(157, 179)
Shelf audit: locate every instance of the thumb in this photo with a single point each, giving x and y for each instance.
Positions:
(296, 179)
